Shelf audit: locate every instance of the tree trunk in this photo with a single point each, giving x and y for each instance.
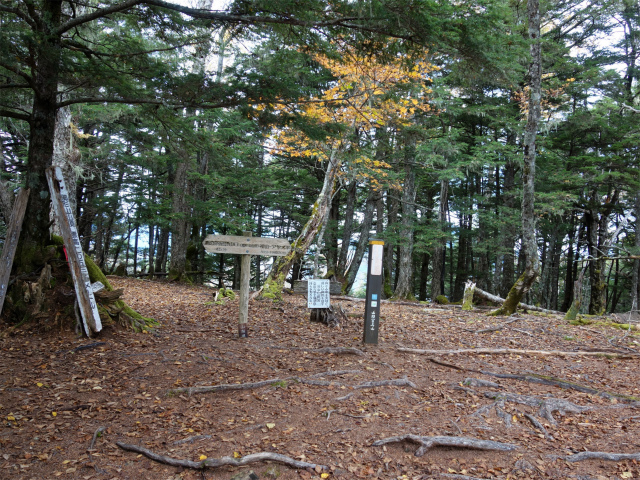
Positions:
(635, 287)
(404, 288)
(180, 223)
(274, 283)
(347, 231)
(524, 283)
(508, 237)
(363, 241)
(46, 54)
(437, 279)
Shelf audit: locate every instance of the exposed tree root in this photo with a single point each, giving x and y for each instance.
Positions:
(515, 351)
(397, 382)
(477, 382)
(533, 378)
(534, 421)
(613, 457)
(547, 405)
(333, 350)
(461, 442)
(496, 328)
(220, 462)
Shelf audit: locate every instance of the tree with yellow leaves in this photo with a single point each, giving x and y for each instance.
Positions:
(369, 93)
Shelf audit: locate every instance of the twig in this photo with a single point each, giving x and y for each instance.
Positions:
(220, 462)
(461, 442)
(614, 457)
(98, 433)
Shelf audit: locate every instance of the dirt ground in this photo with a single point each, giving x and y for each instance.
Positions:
(317, 406)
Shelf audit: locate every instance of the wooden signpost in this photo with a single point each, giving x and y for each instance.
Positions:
(79, 272)
(374, 292)
(246, 246)
(10, 244)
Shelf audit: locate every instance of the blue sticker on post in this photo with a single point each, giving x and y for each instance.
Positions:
(374, 296)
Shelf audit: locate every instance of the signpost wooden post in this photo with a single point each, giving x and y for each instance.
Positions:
(374, 292)
(246, 246)
(11, 242)
(79, 272)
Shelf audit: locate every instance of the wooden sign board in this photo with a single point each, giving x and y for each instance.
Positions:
(246, 245)
(11, 242)
(79, 272)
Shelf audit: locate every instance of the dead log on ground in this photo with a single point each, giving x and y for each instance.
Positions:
(442, 441)
(220, 462)
(494, 298)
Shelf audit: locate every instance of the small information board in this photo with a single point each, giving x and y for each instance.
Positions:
(318, 294)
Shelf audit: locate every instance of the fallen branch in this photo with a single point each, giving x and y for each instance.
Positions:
(614, 457)
(516, 351)
(461, 442)
(494, 298)
(220, 462)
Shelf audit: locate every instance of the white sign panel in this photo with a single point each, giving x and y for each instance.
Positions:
(318, 294)
(376, 259)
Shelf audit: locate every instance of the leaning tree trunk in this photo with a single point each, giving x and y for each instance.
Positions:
(341, 268)
(274, 283)
(524, 283)
(404, 287)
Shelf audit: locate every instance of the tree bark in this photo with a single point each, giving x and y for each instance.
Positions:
(524, 283)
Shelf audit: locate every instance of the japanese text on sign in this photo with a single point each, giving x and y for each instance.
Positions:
(318, 294)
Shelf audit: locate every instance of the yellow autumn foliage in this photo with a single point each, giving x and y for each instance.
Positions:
(368, 93)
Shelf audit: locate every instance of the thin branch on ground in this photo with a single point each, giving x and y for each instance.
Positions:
(220, 462)
(442, 441)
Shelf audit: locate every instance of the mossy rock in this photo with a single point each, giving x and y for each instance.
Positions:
(441, 300)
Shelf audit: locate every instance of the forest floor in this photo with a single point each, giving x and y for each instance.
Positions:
(317, 406)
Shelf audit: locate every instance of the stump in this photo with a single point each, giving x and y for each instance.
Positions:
(329, 316)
